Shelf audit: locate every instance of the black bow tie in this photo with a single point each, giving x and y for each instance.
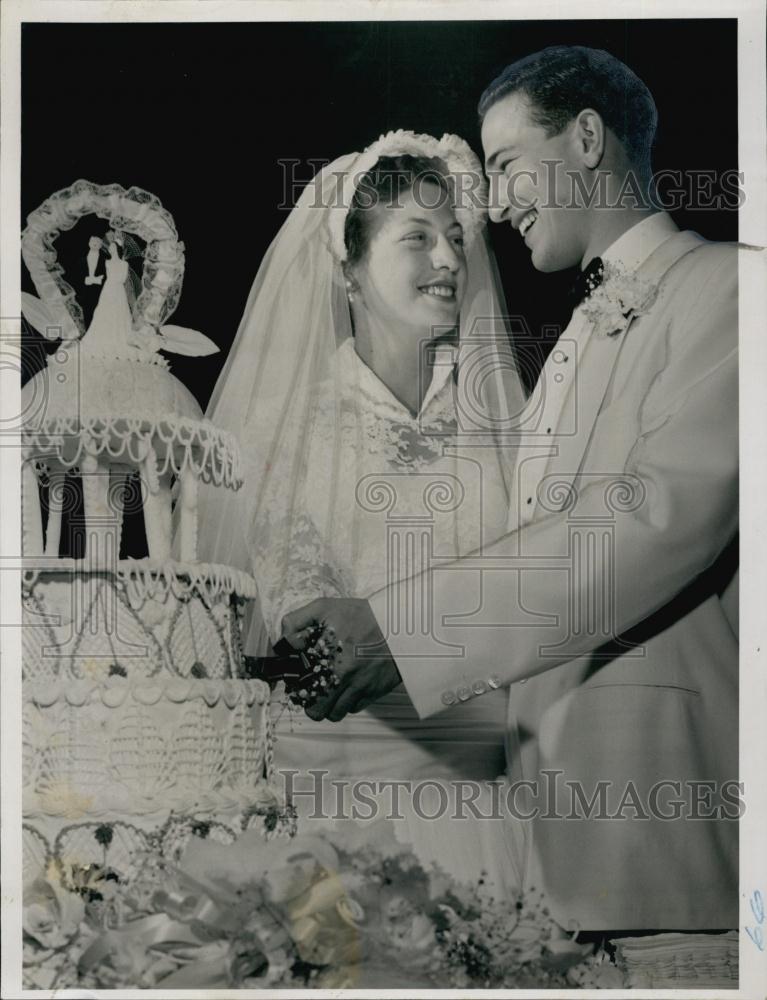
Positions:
(589, 279)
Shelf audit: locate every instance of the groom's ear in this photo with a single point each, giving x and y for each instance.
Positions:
(589, 136)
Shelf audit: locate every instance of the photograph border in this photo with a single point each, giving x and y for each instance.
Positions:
(752, 143)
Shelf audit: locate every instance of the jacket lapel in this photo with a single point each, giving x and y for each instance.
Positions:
(597, 362)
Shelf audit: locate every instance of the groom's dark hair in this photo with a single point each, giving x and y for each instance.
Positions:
(564, 79)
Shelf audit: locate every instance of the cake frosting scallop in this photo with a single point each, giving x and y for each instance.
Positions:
(139, 728)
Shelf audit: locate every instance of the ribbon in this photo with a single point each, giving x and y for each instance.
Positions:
(144, 933)
(213, 941)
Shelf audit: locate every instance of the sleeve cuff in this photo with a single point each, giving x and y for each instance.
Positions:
(411, 668)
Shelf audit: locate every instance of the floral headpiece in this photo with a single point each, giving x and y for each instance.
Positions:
(461, 166)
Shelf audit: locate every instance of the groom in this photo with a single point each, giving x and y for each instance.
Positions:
(609, 608)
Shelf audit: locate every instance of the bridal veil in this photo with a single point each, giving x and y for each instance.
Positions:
(281, 376)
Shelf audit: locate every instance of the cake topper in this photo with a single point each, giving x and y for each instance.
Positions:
(129, 319)
(92, 260)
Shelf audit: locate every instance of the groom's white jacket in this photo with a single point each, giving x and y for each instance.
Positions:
(611, 610)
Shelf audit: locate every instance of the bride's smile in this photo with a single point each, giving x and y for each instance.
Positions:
(412, 277)
(441, 288)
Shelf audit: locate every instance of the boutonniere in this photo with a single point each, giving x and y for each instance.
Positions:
(620, 298)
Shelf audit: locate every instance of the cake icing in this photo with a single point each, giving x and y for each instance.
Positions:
(139, 728)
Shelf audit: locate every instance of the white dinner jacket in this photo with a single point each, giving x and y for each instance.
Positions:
(610, 611)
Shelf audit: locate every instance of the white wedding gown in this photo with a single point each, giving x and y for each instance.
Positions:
(111, 327)
(387, 489)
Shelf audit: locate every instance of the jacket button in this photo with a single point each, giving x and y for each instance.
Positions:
(464, 694)
(479, 687)
(494, 681)
(448, 698)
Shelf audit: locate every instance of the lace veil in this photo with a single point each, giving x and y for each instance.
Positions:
(281, 379)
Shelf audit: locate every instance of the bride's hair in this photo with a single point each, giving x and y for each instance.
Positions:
(391, 177)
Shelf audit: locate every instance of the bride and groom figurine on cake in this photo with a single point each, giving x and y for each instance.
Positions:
(529, 587)
(111, 326)
(540, 579)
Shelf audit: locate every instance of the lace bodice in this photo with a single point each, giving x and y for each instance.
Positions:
(374, 472)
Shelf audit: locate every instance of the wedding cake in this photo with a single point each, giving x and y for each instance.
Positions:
(140, 730)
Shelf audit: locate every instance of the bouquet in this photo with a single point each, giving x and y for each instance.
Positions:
(355, 911)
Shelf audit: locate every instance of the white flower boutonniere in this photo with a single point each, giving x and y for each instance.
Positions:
(620, 298)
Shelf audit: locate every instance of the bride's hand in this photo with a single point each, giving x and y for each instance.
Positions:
(365, 668)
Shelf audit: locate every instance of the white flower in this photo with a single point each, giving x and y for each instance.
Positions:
(51, 916)
(620, 298)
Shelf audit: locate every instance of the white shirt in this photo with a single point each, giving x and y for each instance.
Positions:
(552, 410)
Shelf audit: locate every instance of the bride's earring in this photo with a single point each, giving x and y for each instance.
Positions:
(350, 290)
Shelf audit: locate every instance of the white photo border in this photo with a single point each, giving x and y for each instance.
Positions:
(752, 143)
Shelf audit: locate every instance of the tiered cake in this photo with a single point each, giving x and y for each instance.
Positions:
(139, 729)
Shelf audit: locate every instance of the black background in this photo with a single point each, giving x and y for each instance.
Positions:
(200, 115)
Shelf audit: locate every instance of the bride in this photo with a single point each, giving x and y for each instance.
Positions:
(368, 387)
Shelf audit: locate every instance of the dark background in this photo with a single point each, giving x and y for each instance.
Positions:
(200, 114)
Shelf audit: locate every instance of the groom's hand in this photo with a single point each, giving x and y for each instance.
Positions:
(365, 668)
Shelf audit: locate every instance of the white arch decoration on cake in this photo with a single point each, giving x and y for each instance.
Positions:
(133, 211)
(110, 416)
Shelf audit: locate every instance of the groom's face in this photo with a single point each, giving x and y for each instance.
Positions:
(530, 177)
